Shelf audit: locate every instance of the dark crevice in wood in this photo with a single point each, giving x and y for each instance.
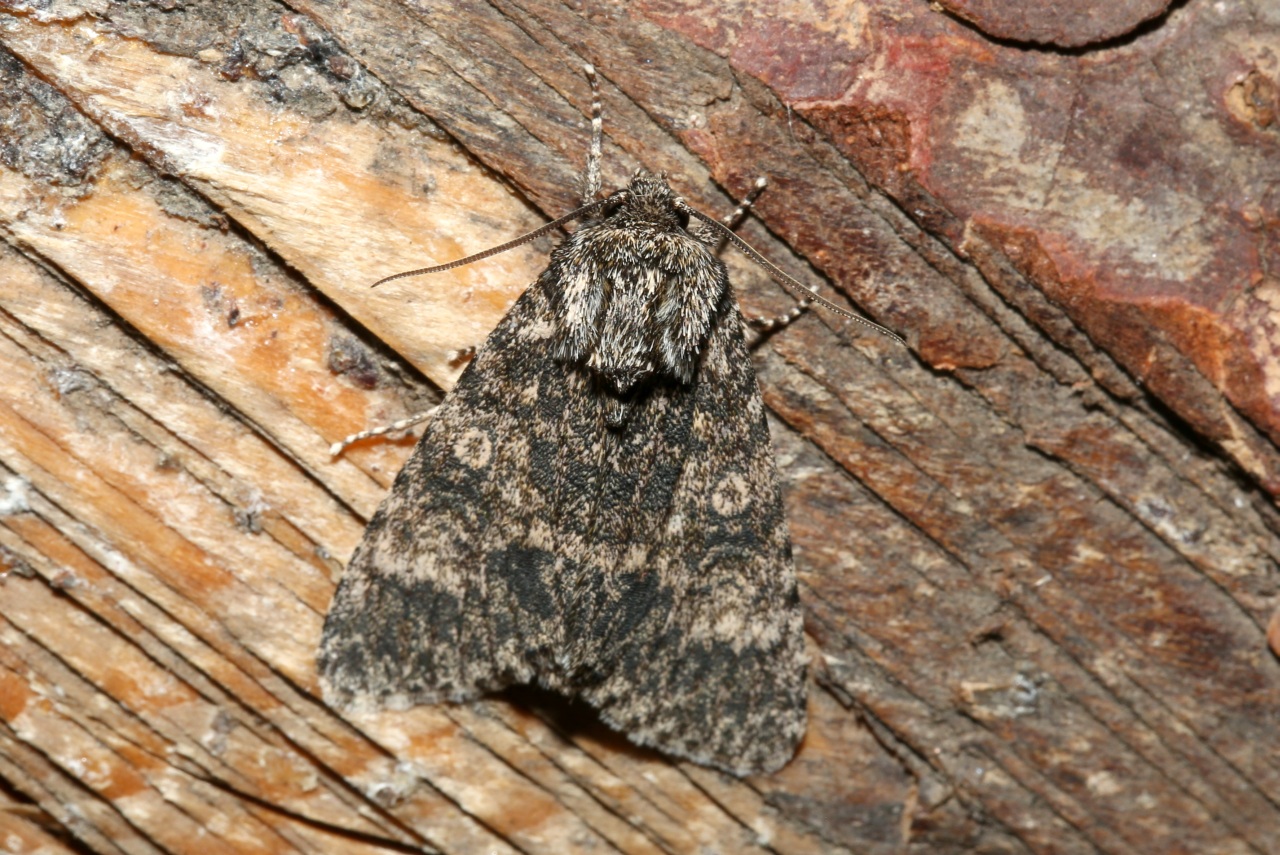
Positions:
(419, 845)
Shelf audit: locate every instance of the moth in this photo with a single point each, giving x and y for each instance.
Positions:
(594, 507)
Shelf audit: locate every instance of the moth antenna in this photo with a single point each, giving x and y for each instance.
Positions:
(584, 211)
(787, 281)
(591, 185)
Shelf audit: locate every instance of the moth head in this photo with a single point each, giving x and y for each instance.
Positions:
(648, 202)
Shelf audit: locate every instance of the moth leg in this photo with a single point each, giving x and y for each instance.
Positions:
(758, 323)
(395, 427)
(764, 325)
(457, 357)
(739, 213)
(591, 185)
(715, 238)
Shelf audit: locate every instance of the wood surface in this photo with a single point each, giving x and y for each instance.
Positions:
(1037, 546)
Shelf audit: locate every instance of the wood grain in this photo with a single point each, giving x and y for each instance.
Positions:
(1037, 547)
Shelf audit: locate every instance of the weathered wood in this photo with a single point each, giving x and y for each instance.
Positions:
(1037, 548)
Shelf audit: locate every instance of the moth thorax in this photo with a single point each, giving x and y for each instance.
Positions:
(636, 304)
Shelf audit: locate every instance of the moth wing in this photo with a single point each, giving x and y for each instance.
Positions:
(647, 569)
(714, 669)
(432, 604)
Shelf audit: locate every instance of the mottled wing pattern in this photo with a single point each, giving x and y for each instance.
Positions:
(646, 569)
(714, 670)
(434, 604)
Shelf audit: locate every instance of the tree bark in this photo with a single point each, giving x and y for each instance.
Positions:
(1037, 547)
